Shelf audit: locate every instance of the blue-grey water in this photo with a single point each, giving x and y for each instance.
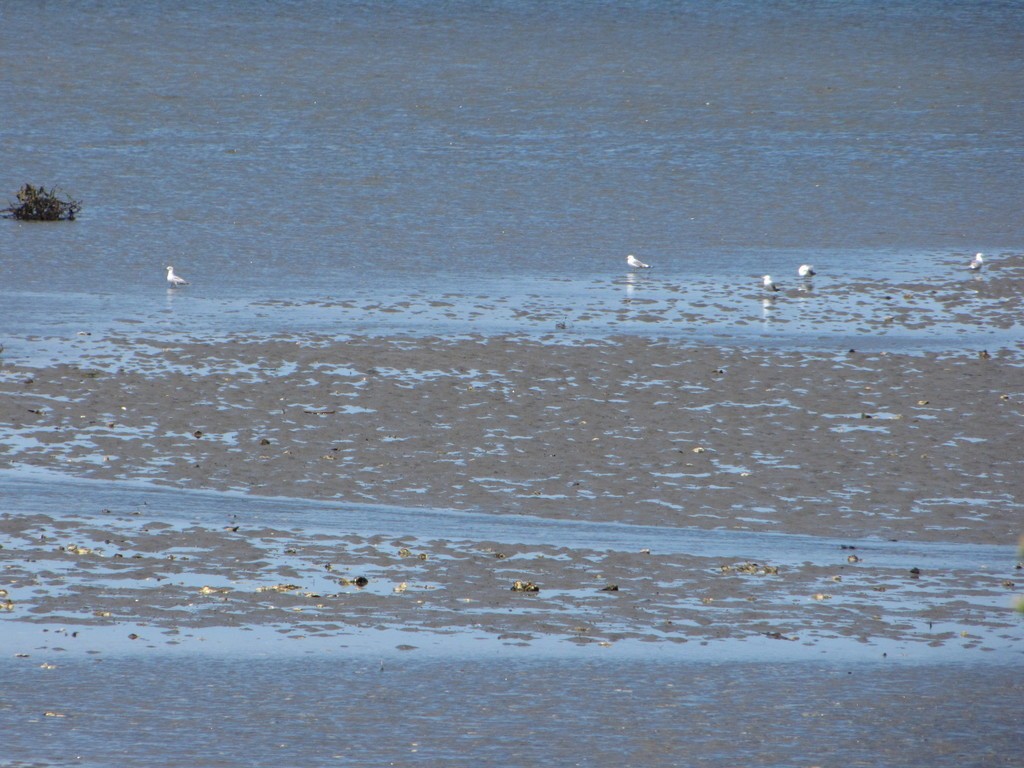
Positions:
(332, 711)
(288, 157)
(306, 151)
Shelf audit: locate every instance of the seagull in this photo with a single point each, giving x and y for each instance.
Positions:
(768, 284)
(977, 263)
(175, 280)
(806, 270)
(635, 263)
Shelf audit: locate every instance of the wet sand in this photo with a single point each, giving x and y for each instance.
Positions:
(117, 582)
(276, 517)
(920, 446)
(774, 505)
(850, 447)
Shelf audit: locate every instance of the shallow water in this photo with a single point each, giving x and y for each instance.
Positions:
(945, 311)
(32, 491)
(130, 542)
(357, 712)
(342, 169)
(487, 152)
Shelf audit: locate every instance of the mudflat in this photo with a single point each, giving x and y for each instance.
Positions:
(918, 446)
(856, 451)
(618, 510)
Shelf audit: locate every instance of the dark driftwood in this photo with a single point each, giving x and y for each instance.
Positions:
(40, 204)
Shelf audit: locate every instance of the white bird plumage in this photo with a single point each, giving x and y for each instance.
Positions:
(806, 270)
(635, 263)
(977, 263)
(768, 284)
(175, 280)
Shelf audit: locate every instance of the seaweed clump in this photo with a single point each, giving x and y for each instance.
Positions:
(40, 204)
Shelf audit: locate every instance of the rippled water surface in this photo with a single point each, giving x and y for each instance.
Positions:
(330, 711)
(458, 168)
(296, 152)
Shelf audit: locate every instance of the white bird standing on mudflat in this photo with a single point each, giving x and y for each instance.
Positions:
(768, 284)
(806, 270)
(635, 263)
(977, 263)
(175, 280)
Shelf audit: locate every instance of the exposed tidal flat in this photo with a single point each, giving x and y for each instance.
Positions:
(416, 471)
(854, 451)
(919, 446)
(757, 539)
(819, 496)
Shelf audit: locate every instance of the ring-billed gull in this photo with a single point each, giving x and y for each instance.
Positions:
(977, 263)
(635, 263)
(768, 284)
(806, 270)
(173, 279)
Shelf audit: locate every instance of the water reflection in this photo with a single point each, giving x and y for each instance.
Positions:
(632, 282)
